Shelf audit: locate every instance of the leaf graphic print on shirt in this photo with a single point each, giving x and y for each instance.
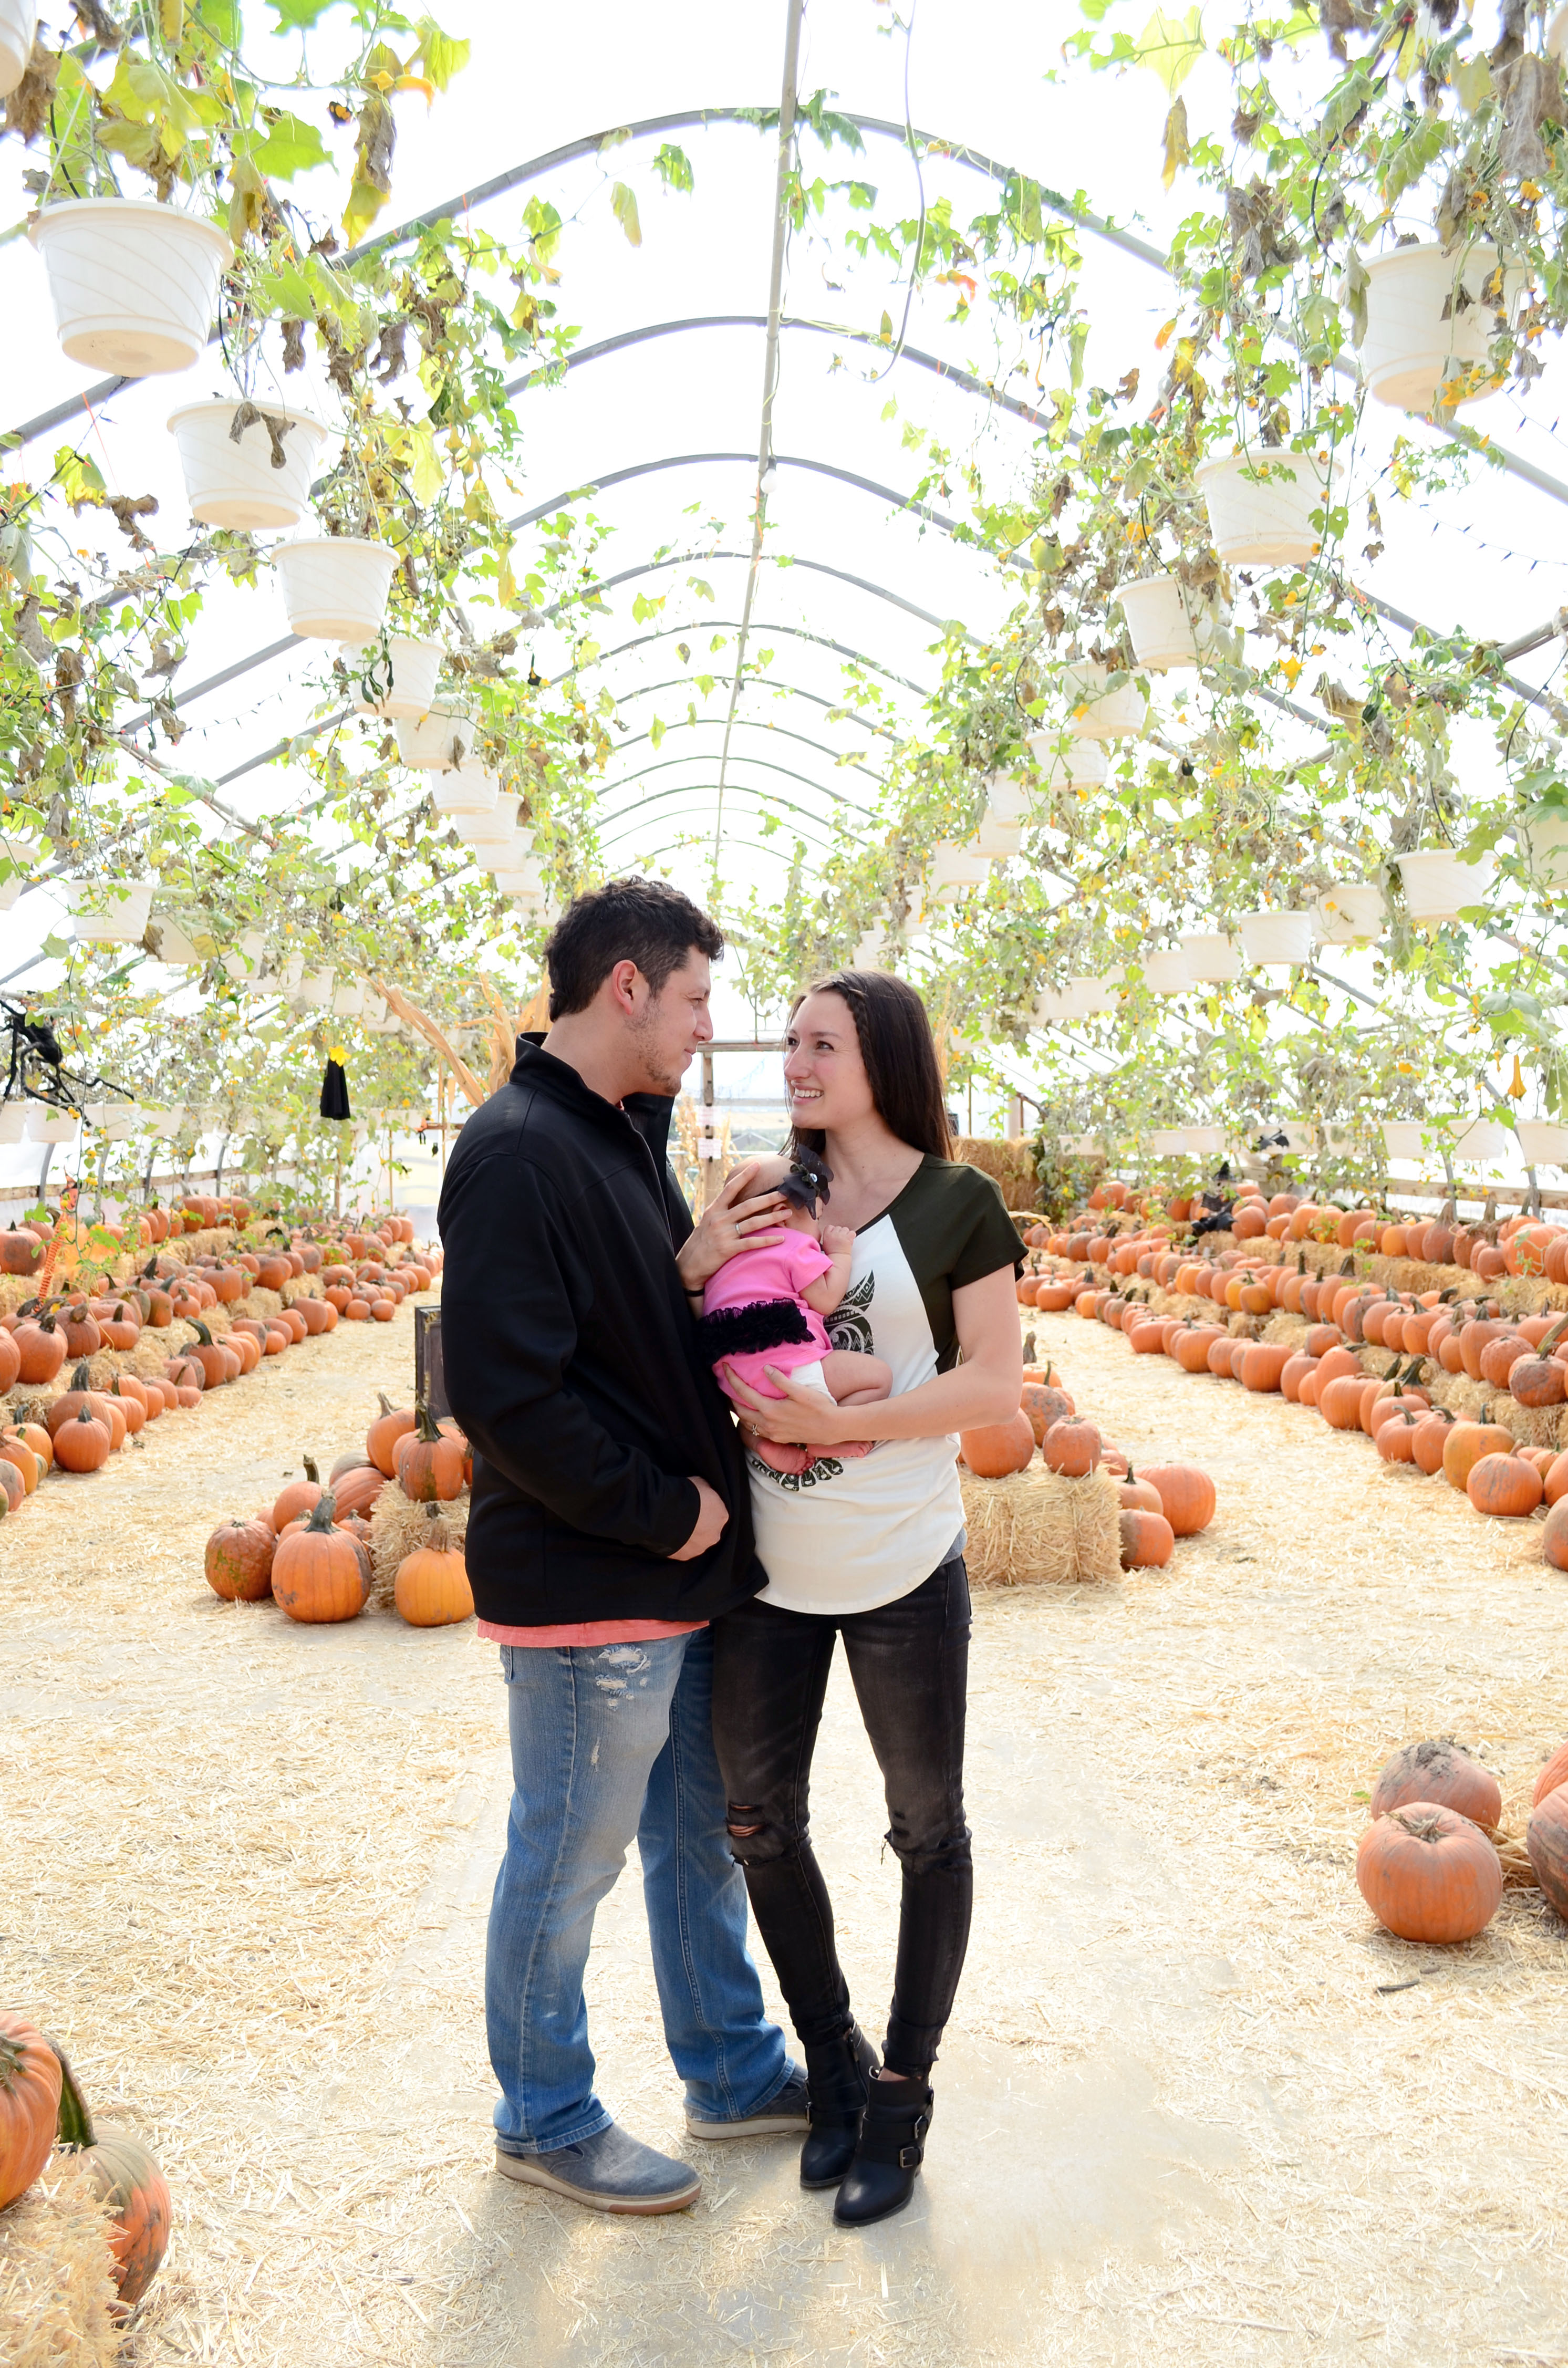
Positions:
(849, 1326)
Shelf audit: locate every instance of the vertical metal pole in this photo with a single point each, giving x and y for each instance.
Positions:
(709, 1166)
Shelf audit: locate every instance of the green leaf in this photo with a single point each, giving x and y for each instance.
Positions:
(1170, 47)
(441, 55)
(427, 473)
(656, 733)
(1178, 150)
(623, 206)
(674, 168)
(292, 146)
(299, 16)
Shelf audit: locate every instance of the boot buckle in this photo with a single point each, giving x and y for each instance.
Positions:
(909, 2158)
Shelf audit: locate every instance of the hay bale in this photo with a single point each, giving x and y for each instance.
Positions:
(398, 1525)
(1036, 1529)
(56, 2290)
(1010, 1165)
(257, 1302)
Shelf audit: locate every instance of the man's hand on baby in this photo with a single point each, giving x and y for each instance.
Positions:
(837, 1240)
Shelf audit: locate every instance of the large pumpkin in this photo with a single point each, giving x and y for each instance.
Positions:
(357, 1489)
(41, 1348)
(1438, 1769)
(1546, 1838)
(83, 1445)
(29, 2103)
(991, 1450)
(320, 1573)
(1505, 1487)
(130, 2186)
(1465, 1445)
(1428, 1873)
(1186, 1494)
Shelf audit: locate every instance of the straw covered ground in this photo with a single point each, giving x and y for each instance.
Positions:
(1193, 2106)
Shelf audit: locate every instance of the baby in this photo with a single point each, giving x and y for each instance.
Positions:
(765, 1307)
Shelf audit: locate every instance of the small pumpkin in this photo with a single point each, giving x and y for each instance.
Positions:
(430, 1464)
(991, 1450)
(431, 1589)
(299, 1496)
(40, 1349)
(130, 2184)
(1438, 1770)
(1071, 1446)
(30, 2104)
(320, 1573)
(83, 1445)
(1148, 1540)
(239, 1560)
(1186, 1494)
(1428, 1873)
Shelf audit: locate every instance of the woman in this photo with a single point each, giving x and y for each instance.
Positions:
(870, 1549)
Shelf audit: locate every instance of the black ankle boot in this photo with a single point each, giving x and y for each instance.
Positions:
(839, 2073)
(892, 2144)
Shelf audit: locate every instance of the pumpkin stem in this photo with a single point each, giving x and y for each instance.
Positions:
(202, 1333)
(311, 1473)
(425, 1424)
(387, 1407)
(74, 2125)
(321, 1512)
(81, 1378)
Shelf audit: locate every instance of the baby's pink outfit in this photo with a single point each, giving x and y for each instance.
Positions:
(783, 1270)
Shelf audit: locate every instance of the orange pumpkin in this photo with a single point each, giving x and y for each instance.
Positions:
(431, 1589)
(1465, 1445)
(30, 2104)
(320, 1573)
(40, 1349)
(357, 1489)
(1148, 1540)
(392, 1424)
(1554, 1537)
(1555, 1772)
(1071, 1446)
(1505, 1488)
(1185, 1493)
(1428, 1873)
(83, 1445)
(1546, 1838)
(1339, 1400)
(991, 1450)
(430, 1464)
(239, 1560)
(1438, 1769)
(299, 1496)
(130, 2186)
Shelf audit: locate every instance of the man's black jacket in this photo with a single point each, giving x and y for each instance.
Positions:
(571, 1361)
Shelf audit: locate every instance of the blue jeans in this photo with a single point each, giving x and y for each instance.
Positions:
(609, 1741)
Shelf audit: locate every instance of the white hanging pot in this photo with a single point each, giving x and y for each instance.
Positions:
(349, 1000)
(506, 855)
(953, 866)
(1349, 914)
(1211, 955)
(1055, 1005)
(1421, 331)
(1084, 1147)
(1402, 1138)
(231, 481)
(467, 789)
(19, 23)
(437, 741)
(134, 285)
(1007, 797)
(1298, 1138)
(315, 990)
(998, 840)
(109, 912)
(401, 682)
(13, 1121)
(497, 826)
(1095, 994)
(1544, 839)
(1437, 884)
(1167, 972)
(175, 947)
(46, 1124)
(1483, 1140)
(335, 586)
(1168, 1142)
(1263, 518)
(1084, 766)
(1204, 1142)
(1542, 1143)
(1099, 714)
(1276, 940)
(1170, 626)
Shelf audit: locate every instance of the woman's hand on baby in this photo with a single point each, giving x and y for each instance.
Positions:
(801, 1418)
(839, 1241)
(730, 1225)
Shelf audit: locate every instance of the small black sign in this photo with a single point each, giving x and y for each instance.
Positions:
(429, 1374)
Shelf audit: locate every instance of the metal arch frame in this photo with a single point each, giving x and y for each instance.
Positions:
(764, 682)
(764, 764)
(748, 459)
(549, 373)
(749, 724)
(731, 625)
(625, 816)
(687, 118)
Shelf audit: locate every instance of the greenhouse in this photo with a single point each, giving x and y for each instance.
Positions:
(940, 629)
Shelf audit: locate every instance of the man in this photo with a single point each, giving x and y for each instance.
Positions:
(610, 1522)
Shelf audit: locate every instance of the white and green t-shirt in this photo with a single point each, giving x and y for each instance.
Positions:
(847, 1536)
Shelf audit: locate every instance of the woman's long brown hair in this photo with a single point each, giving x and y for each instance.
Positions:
(895, 1036)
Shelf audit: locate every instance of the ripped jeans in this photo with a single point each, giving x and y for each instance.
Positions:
(613, 1742)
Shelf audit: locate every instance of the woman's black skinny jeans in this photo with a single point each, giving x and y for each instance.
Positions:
(909, 1663)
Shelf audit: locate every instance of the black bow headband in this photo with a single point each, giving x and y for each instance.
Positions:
(809, 1176)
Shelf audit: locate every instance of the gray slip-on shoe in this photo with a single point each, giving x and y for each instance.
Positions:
(787, 2115)
(608, 2172)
